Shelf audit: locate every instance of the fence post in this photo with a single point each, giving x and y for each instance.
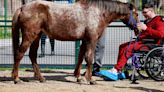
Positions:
(77, 49)
(5, 18)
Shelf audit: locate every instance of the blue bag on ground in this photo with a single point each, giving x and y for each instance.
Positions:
(121, 76)
(112, 77)
(108, 75)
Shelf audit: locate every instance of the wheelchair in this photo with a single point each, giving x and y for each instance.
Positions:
(148, 63)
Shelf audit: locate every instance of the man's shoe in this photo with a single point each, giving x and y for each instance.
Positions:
(109, 75)
(42, 55)
(52, 53)
(113, 70)
(112, 74)
(95, 73)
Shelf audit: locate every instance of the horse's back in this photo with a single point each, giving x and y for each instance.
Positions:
(39, 9)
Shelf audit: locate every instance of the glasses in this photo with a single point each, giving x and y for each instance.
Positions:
(145, 11)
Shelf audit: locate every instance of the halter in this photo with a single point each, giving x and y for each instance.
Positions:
(132, 20)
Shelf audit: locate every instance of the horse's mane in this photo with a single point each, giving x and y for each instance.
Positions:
(110, 6)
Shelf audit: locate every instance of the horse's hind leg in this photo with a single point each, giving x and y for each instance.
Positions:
(19, 55)
(33, 56)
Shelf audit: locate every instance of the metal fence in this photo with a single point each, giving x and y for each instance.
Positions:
(65, 52)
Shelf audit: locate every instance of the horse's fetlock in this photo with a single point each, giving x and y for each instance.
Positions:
(80, 79)
(93, 82)
(17, 81)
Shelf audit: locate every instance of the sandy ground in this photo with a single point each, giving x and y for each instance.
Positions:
(64, 81)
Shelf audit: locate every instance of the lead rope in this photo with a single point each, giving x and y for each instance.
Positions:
(132, 20)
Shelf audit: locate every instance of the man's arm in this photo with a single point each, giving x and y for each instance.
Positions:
(159, 31)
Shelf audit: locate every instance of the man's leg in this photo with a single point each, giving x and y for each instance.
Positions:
(52, 42)
(99, 53)
(125, 51)
(43, 40)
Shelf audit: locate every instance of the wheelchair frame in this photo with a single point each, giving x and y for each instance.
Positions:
(152, 62)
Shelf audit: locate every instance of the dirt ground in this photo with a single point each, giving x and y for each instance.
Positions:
(64, 81)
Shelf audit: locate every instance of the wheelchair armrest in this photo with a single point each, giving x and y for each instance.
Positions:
(148, 41)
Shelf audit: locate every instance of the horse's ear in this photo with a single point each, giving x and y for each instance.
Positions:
(131, 6)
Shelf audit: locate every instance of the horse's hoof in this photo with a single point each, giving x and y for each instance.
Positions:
(17, 81)
(93, 82)
(80, 80)
(42, 81)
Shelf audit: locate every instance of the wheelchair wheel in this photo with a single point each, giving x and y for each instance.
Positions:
(154, 64)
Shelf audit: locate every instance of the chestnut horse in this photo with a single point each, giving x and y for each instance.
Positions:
(84, 20)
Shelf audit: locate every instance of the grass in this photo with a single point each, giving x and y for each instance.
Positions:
(4, 69)
(3, 18)
(5, 34)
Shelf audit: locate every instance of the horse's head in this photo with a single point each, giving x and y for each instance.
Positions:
(132, 18)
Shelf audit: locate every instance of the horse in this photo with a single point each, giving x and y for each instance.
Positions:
(83, 20)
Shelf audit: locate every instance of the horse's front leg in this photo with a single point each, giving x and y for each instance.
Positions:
(33, 56)
(80, 60)
(89, 58)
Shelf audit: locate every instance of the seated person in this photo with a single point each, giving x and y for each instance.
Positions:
(152, 29)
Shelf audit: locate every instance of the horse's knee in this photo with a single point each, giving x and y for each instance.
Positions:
(89, 56)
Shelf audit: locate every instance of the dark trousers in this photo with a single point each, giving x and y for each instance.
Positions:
(43, 41)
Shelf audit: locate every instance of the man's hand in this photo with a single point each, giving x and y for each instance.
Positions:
(141, 26)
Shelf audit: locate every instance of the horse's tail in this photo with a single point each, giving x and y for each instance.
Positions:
(15, 32)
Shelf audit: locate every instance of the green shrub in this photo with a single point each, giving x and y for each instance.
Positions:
(5, 34)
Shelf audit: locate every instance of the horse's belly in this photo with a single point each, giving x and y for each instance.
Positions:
(66, 36)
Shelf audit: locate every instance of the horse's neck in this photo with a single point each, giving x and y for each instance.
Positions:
(112, 17)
